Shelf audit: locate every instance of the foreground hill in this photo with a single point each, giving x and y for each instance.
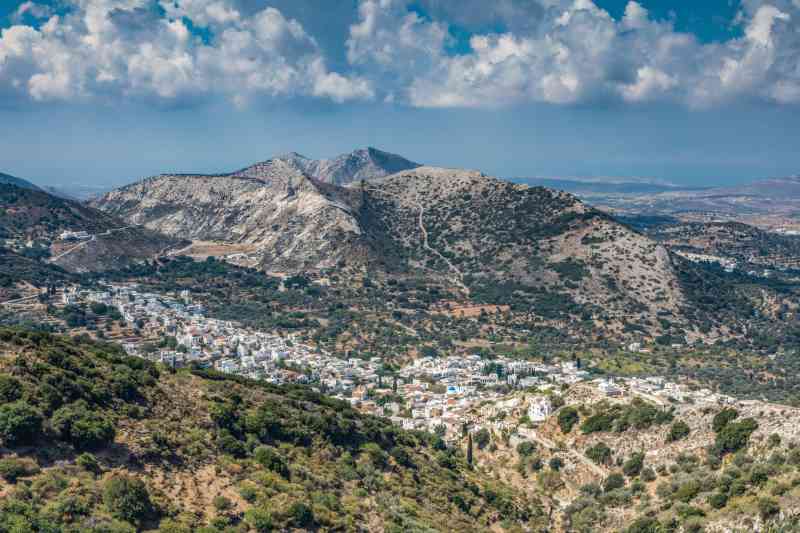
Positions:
(6, 179)
(93, 440)
(33, 221)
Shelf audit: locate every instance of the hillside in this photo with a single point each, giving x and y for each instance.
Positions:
(6, 179)
(93, 440)
(31, 222)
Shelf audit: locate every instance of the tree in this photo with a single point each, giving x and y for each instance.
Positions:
(722, 419)
(613, 481)
(556, 463)
(20, 423)
(526, 448)
(600, 453)
(482, 438)
(678, 431)
(633, 465)
(126, 497)
(469, 449)
(76, 424)
(734, 436)
(567, 418)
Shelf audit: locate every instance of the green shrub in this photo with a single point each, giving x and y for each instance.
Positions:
(722, 419)
(679, 430)
(302, 515)
(126, 497)
(767, 508)
(482, 438)
(613, 481)
(600, 453)
(269, 458)
(88, 462)
(526, 448)
(567, 418)
(556, 463)
(718, 500)
(84, 429)
(12, 469)
(633, 466)
(734, 436)
(20, 423)
(10, 389)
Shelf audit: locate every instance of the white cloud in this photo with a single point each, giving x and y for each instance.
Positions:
(575, 51)
(551, 51)
(124, 48)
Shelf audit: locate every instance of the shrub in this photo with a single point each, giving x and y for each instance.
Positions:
(678, 431)
(774, 440)
(633, 466)
(734, 436)
(767, 508)
(648, 474)
(613, 481)
(302, 515)
(126, 497)
(556, 463)
(567, 418)
(482, 438)
(600, 453)
(20, 423)
(718, 500)
(722, 419)
(645, 525)
(12, 469)
(526, 448)
(221, 503)
(260, 520)
(85, 430)
(267, 457)
(10, 389)
(88, 462)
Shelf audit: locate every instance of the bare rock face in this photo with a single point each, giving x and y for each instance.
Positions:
(284, 217)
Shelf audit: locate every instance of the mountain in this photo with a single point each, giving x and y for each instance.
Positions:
(364, 164)
(32, 220)
(534, 249)
(95, 440)
(6, 179)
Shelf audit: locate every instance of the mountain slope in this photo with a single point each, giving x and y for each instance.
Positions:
(36, 217)
(109, 443)
(364, 164)
(537, 250)
(6, 179)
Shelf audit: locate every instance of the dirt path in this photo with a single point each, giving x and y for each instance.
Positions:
(84, 243)
(459, 279)
(547, 443)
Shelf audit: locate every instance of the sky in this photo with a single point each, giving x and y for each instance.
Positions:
(104, 92)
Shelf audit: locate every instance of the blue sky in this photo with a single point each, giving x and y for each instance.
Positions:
(104, 92)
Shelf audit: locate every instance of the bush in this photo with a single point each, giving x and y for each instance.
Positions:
(10, 389)
(767, 508)
(127, 498)
(718, 500)
(567, 418)
(734, 436)
(600, 453)
(302, 515)
(556, 463)
(526, 448)
(20, 423)
(722, 419)
(648, 474)
(645, 525)
(613, 481)
(633, 466)
(482, 438)
(12, 469)
(679, 430)
(267, 457)
(85, 430)
(88, 462)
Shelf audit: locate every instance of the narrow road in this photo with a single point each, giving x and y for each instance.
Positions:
(459, 279)
(18, 300)
(84, 243)
(547, 443)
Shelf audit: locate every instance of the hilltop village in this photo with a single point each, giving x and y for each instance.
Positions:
(443, 395)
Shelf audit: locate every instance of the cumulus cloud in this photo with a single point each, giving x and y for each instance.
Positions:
(139, 49)
(559, 52)
(573, 51)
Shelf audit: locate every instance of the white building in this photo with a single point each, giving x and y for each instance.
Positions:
(539, 409)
